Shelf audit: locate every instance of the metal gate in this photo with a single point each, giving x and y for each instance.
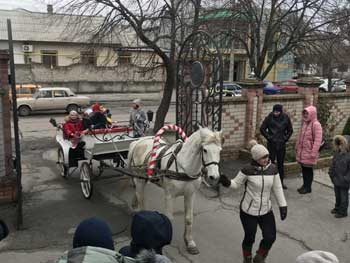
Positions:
(199, 84)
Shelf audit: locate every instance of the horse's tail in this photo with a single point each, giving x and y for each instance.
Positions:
(131, 153)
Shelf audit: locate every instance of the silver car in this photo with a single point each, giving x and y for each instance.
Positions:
(45, 99)
(337, 85)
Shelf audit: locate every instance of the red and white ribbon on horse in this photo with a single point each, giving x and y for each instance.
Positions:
(156, 142)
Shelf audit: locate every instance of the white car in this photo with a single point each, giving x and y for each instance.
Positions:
(230, 89)
(45, 99)
(338, 85)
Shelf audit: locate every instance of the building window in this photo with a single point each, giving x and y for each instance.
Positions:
(124, 57)
(49, 58)
(226, 69)
(88, 57)
(27, 59)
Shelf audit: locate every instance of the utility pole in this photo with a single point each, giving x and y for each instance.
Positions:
(232, 50)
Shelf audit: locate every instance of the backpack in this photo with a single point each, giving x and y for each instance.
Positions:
(323, 142)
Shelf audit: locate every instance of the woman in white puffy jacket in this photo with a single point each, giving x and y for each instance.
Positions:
(260, 178)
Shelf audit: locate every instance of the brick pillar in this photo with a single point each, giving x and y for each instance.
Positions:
(6, 115)
(253, 91)
(347, 82)
(308, 87)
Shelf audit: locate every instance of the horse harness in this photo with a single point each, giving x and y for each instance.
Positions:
(176, 175)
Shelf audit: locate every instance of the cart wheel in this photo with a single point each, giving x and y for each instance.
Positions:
(85, 180)
(60, 163)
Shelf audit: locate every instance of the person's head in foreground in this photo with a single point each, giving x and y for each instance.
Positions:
(149, 230)
(93, 232)
(317, 256)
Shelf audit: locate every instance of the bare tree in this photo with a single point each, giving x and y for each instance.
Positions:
(160, 25)
(277, 27)
(329, 52)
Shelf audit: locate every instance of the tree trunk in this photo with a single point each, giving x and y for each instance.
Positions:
(166, 100)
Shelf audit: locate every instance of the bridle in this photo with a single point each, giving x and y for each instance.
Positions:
(205, 165)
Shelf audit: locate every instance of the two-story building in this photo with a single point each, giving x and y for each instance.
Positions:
(221, 23)
(59, 49)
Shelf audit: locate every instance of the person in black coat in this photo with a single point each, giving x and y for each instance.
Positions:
(277, 129)
(339, 173)
(97, 118)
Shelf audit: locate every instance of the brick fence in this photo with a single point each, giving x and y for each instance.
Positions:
(242, 116)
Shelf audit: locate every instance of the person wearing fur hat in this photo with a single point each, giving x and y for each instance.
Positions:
(339, 173)
(260, 178)
(73, 125)
(317, 256)
(277, 129)
(138, 120)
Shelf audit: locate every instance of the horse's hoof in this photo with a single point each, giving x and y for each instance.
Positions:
(193, 250)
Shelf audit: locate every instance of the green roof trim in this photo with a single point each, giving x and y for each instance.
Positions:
(221, 14)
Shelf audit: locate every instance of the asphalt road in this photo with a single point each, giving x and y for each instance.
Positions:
(37, 125)
(54, 206)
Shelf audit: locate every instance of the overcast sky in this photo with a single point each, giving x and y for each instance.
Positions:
(32, 5)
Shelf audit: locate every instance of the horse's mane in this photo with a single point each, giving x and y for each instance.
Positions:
(204, 136)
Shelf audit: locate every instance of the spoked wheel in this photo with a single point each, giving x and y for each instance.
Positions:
(85, 180)
(61, 165)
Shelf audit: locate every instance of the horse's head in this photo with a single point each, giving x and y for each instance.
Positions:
(211, 146)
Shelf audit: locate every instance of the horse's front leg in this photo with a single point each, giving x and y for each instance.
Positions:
(138, 201)
(190, 244)
(169, 205)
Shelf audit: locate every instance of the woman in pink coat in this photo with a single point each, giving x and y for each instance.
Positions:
(307, 146)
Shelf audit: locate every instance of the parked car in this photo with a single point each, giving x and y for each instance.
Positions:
(338, 85)
(46, 99)
(231, 89)
(270, 88)
(25, 90)
(288, 86)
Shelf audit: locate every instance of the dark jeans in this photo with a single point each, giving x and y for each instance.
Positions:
(267, 225)
(277, 152)
(308, 177)
(341, 199)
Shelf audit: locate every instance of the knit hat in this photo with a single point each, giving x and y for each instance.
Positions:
(277, 107)
(73, 113)
(257, 150)
(149, 230)
(137, 101)
(317, 256)
(93, 232)
(96, 107)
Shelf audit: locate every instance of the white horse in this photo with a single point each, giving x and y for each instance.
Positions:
(199, 156)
